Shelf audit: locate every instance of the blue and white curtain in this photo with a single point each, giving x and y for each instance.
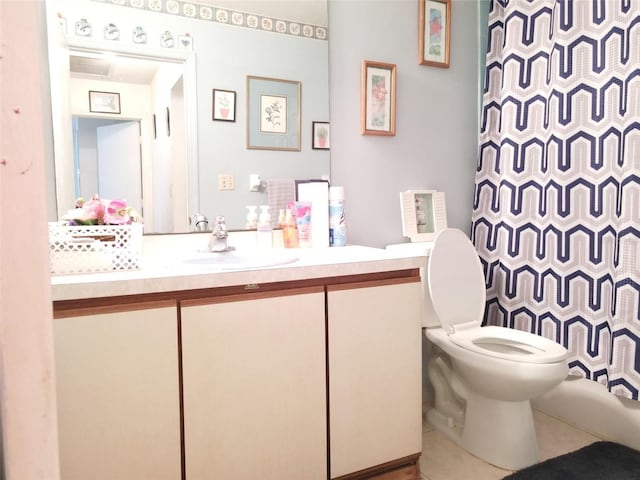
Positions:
(556, 217)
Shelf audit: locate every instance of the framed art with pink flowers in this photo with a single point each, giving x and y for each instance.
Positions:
(435, 33)
(378, 98)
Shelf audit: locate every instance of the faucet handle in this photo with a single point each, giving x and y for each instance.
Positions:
(200, 222)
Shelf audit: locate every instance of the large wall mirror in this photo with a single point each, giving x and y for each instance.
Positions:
(148, 132)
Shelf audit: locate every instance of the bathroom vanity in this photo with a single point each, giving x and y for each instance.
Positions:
(305, 370)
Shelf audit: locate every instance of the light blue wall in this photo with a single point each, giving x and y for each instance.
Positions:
(222, 145)
(435, 145)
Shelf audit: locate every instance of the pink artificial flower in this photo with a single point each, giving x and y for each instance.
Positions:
(93, 210)
(117, 213)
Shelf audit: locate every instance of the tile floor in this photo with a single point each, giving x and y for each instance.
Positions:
(443, 460)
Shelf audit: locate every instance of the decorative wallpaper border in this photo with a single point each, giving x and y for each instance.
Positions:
(234, 18)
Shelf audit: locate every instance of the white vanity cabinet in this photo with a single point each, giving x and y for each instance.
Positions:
(254, 385)
(305, 372)
(374, 359)
(118, 392)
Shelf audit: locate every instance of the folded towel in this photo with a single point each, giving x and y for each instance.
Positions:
(280, 191)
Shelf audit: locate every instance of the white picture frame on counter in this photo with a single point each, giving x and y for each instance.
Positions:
(424, 214)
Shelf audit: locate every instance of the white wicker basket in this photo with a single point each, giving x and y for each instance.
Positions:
(94, 248)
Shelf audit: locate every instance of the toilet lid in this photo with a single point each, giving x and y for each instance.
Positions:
(456, 280)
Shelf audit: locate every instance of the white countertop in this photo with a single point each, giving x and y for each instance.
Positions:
(166, 273)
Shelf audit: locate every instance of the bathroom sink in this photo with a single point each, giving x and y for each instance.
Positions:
(234, 260)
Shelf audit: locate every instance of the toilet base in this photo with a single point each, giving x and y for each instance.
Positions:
(500, 433)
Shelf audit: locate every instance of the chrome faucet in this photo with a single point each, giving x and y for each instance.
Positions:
(199, 222)
(218, 241)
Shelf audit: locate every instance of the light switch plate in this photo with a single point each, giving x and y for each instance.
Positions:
(226, 181)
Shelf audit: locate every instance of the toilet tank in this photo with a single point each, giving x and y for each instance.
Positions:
(429, 318)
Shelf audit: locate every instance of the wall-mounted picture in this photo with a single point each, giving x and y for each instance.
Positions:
(435, 32)
(104, 102)
(424, 214)
(273, 114)
(168, 122)
(224, 105)
(320, 139)
(155, 127)
(378, 98)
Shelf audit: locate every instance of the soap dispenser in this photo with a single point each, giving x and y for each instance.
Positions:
(252, 218)
(265, 230)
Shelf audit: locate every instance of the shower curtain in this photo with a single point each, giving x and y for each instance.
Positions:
(556, 217)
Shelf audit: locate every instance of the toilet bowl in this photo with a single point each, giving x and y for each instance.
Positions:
(483, 378)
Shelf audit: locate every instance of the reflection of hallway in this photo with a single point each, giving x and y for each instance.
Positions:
(152, 97)
(107, 159)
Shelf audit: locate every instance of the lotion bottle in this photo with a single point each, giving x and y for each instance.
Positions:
(290, 232)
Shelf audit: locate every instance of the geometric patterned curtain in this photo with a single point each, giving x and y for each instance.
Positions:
(556, 218)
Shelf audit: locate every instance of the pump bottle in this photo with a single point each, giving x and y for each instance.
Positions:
(265, 230)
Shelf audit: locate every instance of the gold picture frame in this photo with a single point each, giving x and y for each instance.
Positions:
(378, 98)
(435, 33)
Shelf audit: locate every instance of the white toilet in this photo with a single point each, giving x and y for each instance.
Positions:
(483, 377)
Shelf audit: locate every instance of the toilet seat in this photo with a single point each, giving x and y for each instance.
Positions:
(509, 344)
(458, 294)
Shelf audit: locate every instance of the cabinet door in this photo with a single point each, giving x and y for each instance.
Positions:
(374, 349)
(254, 387)
(117, 391)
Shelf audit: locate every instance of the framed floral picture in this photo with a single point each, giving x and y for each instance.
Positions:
(320, 138)
(273, 114)
(435, 32)
(224, 105)
(378, 98)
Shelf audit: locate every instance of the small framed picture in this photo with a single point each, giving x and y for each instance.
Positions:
(378, 98)
(424, 214)
(320, 136)
(435, 32)
(104, 102)
(224, 105)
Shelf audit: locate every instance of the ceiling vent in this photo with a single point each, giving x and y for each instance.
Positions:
(89, 66)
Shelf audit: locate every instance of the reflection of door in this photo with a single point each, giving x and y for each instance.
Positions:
(119, 165)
